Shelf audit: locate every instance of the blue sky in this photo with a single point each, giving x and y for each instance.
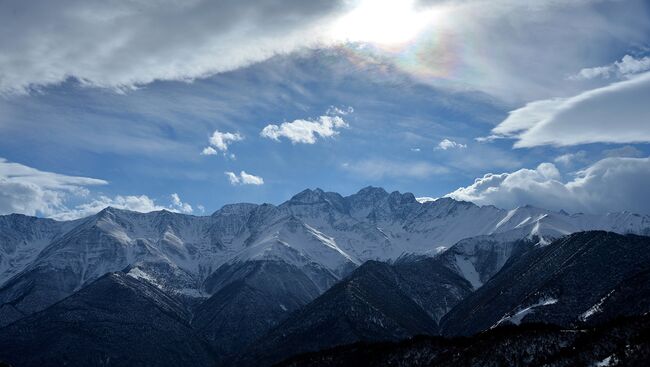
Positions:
(501, 104)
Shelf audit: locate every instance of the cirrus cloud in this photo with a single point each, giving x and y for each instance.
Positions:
(617, 113)
(130, 43)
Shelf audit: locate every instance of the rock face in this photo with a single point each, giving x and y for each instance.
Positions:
(582, 276)
(117, 320)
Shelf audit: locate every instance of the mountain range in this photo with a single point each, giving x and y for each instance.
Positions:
(254, 284)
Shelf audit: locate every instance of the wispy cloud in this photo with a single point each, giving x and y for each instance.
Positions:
(616, 113)
(381, 168)
(569, 159)
(628, 66)
(243, 178)
(135, 43)
(446, 144)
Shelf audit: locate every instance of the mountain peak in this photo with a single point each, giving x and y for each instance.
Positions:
(399, 198)
(237, 209)
(371, 191)
(308, 196)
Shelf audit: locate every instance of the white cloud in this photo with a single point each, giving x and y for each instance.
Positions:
(26, 190)
(179, 205)
(333, 110)
(29, 191)
(628, 65)
(425, 199)
(611, 184)
(570, 158)
(138, 203)
(243, 178)
(450, 144)
(305, 131)
(208, 151)
(617, 113)
(221, 141)
(380, 168)
(130, 43)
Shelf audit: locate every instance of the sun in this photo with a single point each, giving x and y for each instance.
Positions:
(383, 22)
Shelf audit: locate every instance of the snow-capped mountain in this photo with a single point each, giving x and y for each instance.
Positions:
(322, 235)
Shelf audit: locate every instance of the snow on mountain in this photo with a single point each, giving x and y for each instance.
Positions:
(316, 232)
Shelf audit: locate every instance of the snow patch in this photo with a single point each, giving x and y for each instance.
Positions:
(605, 362)
(137, 273)
(518, 316)
(595, 308)
(468, 271)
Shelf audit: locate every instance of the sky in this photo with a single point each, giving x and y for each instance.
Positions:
(190, 105)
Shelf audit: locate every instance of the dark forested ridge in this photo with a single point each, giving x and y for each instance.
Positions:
(621, 342)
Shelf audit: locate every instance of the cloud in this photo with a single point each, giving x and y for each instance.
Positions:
(624, 151)
(305, 131)
(221, 141)
(571, 158)
(617, 113)
(180, 205)
(450, 144)
(244, 178)
(26, 190)
(611, 184)
(209, 151)
(30, 191)
(501, 47)
(333, 110)
(138, 203)
(380, 168)
(131, 43)
(628, 65)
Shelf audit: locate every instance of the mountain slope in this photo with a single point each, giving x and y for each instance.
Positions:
(378, 301)
(323, 234)
(250, 298)
(558, 283)
(116, 320)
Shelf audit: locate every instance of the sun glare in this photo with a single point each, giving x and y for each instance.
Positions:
(383, 22)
